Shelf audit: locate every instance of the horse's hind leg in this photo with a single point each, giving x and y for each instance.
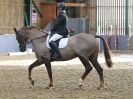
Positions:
(36, 63)
(99, 70)
(88, 68)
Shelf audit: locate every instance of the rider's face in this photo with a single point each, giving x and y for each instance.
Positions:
(59, 9)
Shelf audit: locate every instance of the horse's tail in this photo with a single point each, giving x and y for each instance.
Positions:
(106, 52)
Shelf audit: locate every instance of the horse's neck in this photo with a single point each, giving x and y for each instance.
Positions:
(37, 37)
(39, 42)
(33, 34)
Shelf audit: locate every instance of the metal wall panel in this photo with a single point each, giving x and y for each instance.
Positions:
(114, 17)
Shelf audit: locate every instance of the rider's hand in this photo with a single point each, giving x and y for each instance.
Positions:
(49, 32)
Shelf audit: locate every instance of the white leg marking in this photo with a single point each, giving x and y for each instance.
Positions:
(81, 82)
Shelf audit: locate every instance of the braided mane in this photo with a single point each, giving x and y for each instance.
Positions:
(33, 27)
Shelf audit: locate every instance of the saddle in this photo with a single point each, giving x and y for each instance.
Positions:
(61, 43)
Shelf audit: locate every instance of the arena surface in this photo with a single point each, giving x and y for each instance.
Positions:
(15, 85)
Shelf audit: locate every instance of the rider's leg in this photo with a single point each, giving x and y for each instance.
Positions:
(54, 46)
(55, 37)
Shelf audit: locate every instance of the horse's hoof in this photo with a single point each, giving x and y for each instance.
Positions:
(81, 87)
(33, 82)
(100, 87)
(47, 87)
(81, 83)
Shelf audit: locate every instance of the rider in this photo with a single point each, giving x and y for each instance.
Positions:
(59, 29)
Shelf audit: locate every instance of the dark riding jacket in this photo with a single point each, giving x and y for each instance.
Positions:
(60, 24)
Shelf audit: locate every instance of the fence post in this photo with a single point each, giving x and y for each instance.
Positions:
(109, 36)
(116, 38)
(98, 33)
(28, 11)
(92, 14)
(126, 19)
(129, 36)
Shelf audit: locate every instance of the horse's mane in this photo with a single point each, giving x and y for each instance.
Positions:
(33, 27)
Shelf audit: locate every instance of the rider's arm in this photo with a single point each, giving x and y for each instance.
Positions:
(58, 23)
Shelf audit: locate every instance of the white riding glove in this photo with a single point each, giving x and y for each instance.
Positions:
(49, 33)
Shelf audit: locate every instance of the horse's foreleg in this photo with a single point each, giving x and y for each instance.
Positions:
(49, 70)
(100, 72)
(36, 63)
(88, 68)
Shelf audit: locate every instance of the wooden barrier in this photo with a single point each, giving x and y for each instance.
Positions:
(11, 15)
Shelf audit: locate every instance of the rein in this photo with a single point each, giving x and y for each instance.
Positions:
(29, 42)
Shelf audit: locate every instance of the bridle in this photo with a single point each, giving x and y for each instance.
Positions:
(30, 41)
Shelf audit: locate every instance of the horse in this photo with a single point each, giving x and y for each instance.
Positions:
(84, 46)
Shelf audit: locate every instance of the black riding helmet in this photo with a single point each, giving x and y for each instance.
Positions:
(61, 5)
(60, 1)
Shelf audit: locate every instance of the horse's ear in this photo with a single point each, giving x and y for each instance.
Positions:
(15, 30)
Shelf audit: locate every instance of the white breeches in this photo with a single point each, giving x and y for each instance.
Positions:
(55, 37)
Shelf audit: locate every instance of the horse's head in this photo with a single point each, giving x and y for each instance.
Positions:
(21, 38)
(29, 32)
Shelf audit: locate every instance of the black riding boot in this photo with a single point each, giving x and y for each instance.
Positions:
(56, 50)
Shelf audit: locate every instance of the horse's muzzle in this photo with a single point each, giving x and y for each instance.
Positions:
(22, 48)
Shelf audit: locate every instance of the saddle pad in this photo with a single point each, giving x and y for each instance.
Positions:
(62, 42)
